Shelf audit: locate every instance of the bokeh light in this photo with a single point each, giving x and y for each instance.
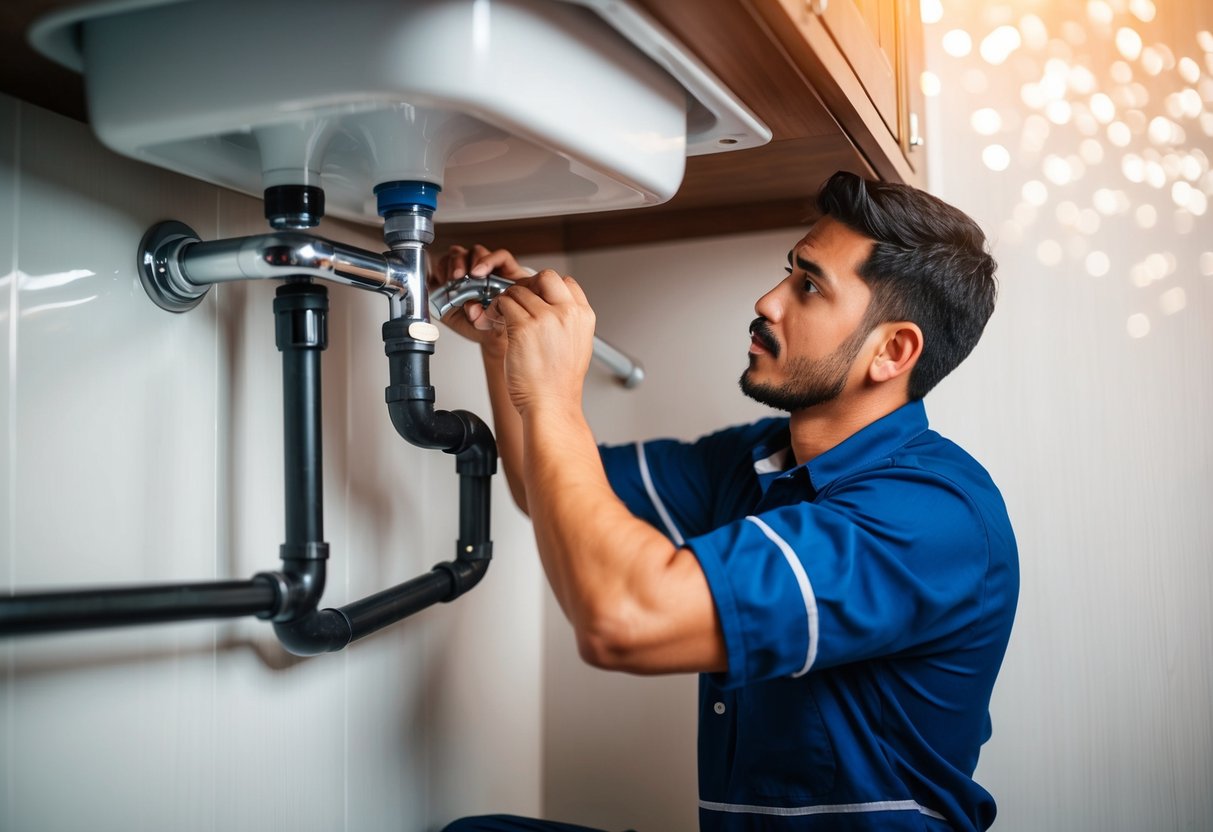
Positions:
(1097, 264)
(1128, 43)
(1138, 326)
(958, 43)
(931, 85)
(996, 157)
(997, 46)
(1173, 300)
(1097, 119)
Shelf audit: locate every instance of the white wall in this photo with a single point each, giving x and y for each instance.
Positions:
(1099, 428)
(1100, 441)
(141, 446)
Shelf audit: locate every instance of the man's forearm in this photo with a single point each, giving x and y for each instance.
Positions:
(507, 425)
(636, 602)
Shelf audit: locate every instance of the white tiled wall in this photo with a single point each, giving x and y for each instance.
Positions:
(141, 446)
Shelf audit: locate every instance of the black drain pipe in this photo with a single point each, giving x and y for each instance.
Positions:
(301, 334)
(290, 597)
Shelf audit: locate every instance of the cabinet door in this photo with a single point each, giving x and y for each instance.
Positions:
(868, 34)
(913, 62)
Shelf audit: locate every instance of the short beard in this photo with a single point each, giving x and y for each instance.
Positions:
(810, 382)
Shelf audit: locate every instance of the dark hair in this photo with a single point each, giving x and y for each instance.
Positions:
(930, 265)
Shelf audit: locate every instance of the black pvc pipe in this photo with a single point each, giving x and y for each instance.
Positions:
(83, 609)
(291, 597)
(301, 332)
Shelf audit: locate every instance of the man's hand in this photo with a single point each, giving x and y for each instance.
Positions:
(549, 330)
(477, 261)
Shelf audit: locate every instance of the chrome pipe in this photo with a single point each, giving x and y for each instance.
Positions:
(177, 268)
(483, 289)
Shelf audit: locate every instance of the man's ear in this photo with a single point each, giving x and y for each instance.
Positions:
(899, 349)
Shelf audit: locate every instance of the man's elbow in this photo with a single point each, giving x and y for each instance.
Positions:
(606, 643)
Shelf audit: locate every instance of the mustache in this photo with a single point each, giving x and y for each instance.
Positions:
(761, 330)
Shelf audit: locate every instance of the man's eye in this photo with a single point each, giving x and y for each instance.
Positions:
(809, 286)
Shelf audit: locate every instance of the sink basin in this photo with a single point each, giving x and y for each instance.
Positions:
(515, 108)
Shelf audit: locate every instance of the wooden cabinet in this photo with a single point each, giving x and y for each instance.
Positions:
(867, 58)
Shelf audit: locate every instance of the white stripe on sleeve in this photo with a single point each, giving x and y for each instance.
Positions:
(670, 528)
(806, 590)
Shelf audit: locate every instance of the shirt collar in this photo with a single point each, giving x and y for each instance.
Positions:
(878, 440)
(773, 455)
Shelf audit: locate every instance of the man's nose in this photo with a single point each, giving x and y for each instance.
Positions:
(769, 305)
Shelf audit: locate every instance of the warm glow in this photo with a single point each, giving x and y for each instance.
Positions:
(1023, 214)
(1192, 166)
(931, 86)
(1189, 70)
(1163, 131)
(931, 11)
(1035, 35)
(957, 43)
(1035, 132)
(986, 121)
(1097, 264)
(1119, 134)
(1138, 326)
(1143, 10)
(974, 81)
(1128, 43)
(1067, 213)
(1102, 108)
(1057, 170)
(996, 157)
(999, 44)
(1107, 142)
(1173, 300)
(1158, 266)
(1049, 252)
(1074, 32)
(1152, 60)
(1081, 80)
(1059, 112)
(1035, 192)
(1156, 175)
(1099, 12)
(1133, 167)
(1088, 221)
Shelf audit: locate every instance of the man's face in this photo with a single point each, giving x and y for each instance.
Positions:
(808, 334)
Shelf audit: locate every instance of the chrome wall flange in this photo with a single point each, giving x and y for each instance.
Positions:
(160, 270)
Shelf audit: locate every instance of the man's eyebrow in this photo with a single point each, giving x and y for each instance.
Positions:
(808, 266)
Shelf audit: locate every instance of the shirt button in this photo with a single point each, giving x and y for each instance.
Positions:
(718, 707)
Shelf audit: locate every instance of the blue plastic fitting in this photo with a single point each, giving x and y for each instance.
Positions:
(403, 196)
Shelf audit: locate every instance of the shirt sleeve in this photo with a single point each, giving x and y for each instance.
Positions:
(671, 484)
(885, 564)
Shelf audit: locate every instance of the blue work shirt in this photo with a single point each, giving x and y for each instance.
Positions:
(866, 599)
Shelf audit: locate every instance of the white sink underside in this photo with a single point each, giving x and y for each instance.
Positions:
(517, 108)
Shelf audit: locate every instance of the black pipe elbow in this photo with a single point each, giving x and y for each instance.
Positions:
(465, 574)
(303, 629)
(320, 631)
(417, 422)
(477, 456)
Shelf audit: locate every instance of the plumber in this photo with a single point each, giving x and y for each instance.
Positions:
(842, 578)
